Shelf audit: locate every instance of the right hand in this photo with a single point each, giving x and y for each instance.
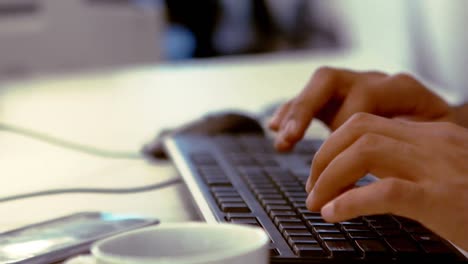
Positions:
(333, 95)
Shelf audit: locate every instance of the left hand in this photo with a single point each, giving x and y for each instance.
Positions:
(423, 169)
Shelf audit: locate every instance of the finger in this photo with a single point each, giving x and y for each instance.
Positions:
(277, 118)
(358, 100)
(358, 125)
(324, 84)
(382, 156)
(281, 144)
(390, 195)
(428, 105)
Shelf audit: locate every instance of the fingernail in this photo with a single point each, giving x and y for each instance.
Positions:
(328, 210)
(309, 185)
(309, 200)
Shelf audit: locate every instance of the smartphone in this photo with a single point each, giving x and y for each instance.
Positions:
(58, 239)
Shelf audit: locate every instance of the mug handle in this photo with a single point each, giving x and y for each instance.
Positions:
(82, 259)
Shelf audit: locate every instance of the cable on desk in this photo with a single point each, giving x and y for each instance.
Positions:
(68, 144)
(130, 190)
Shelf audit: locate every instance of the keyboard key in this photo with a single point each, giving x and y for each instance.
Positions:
(242, 159)
(311, 224)
(274, 202)
(269, 196)
(355, 228)
(218, 189)
(313, 217)
(231, 199)
(402, 246)
(354, 221)
(203, 159)
(274, 213)
(331, 236)
(277, 172)
(437, 249)
(286, 219)
(292, 240)
(340, 248)
(425, 237)
(235, 208)
(299, 205)
(245, 221)
(259, 191)
(275, 207)
(417, 230)
(297, 233)
(321, 224)
(379, 218)
(385, 225)
(297, 195)
(291, 226)
(362, 235)
(220, 195)
(391, 232)
(260, 183)
(251, 172)
(371, 247)
(296, 199)
(218, 182)
(308, 250)
(230, 216)
(296, 189)
(211, 171)
(326, 229)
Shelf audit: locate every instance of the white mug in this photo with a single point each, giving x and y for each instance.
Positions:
(182, 243)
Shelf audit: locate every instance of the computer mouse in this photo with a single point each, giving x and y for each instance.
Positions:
(211, 124)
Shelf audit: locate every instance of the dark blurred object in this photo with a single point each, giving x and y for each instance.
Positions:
(200, 17)
(251, 26)
(212, 124)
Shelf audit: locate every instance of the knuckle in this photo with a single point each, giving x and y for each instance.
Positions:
(392, 191)
(325, 73)
(375, 74)
(370, 139)
(359, 121)
(324, 70)
(366, 145)
(298, 102)
(403, 77)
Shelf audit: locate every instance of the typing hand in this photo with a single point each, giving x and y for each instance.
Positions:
(423, 167)
(333, 95)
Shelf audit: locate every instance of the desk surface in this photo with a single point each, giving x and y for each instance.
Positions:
(123, 109)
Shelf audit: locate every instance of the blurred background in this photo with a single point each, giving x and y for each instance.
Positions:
(40, 37)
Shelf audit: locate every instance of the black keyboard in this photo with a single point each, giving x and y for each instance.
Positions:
(242, 180)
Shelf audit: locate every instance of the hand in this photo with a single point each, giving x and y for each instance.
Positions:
(423, 169)
(333, 95)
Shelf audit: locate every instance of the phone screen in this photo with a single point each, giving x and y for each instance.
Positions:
(63, 237)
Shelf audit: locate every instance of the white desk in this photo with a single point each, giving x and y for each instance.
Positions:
(121, 110)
